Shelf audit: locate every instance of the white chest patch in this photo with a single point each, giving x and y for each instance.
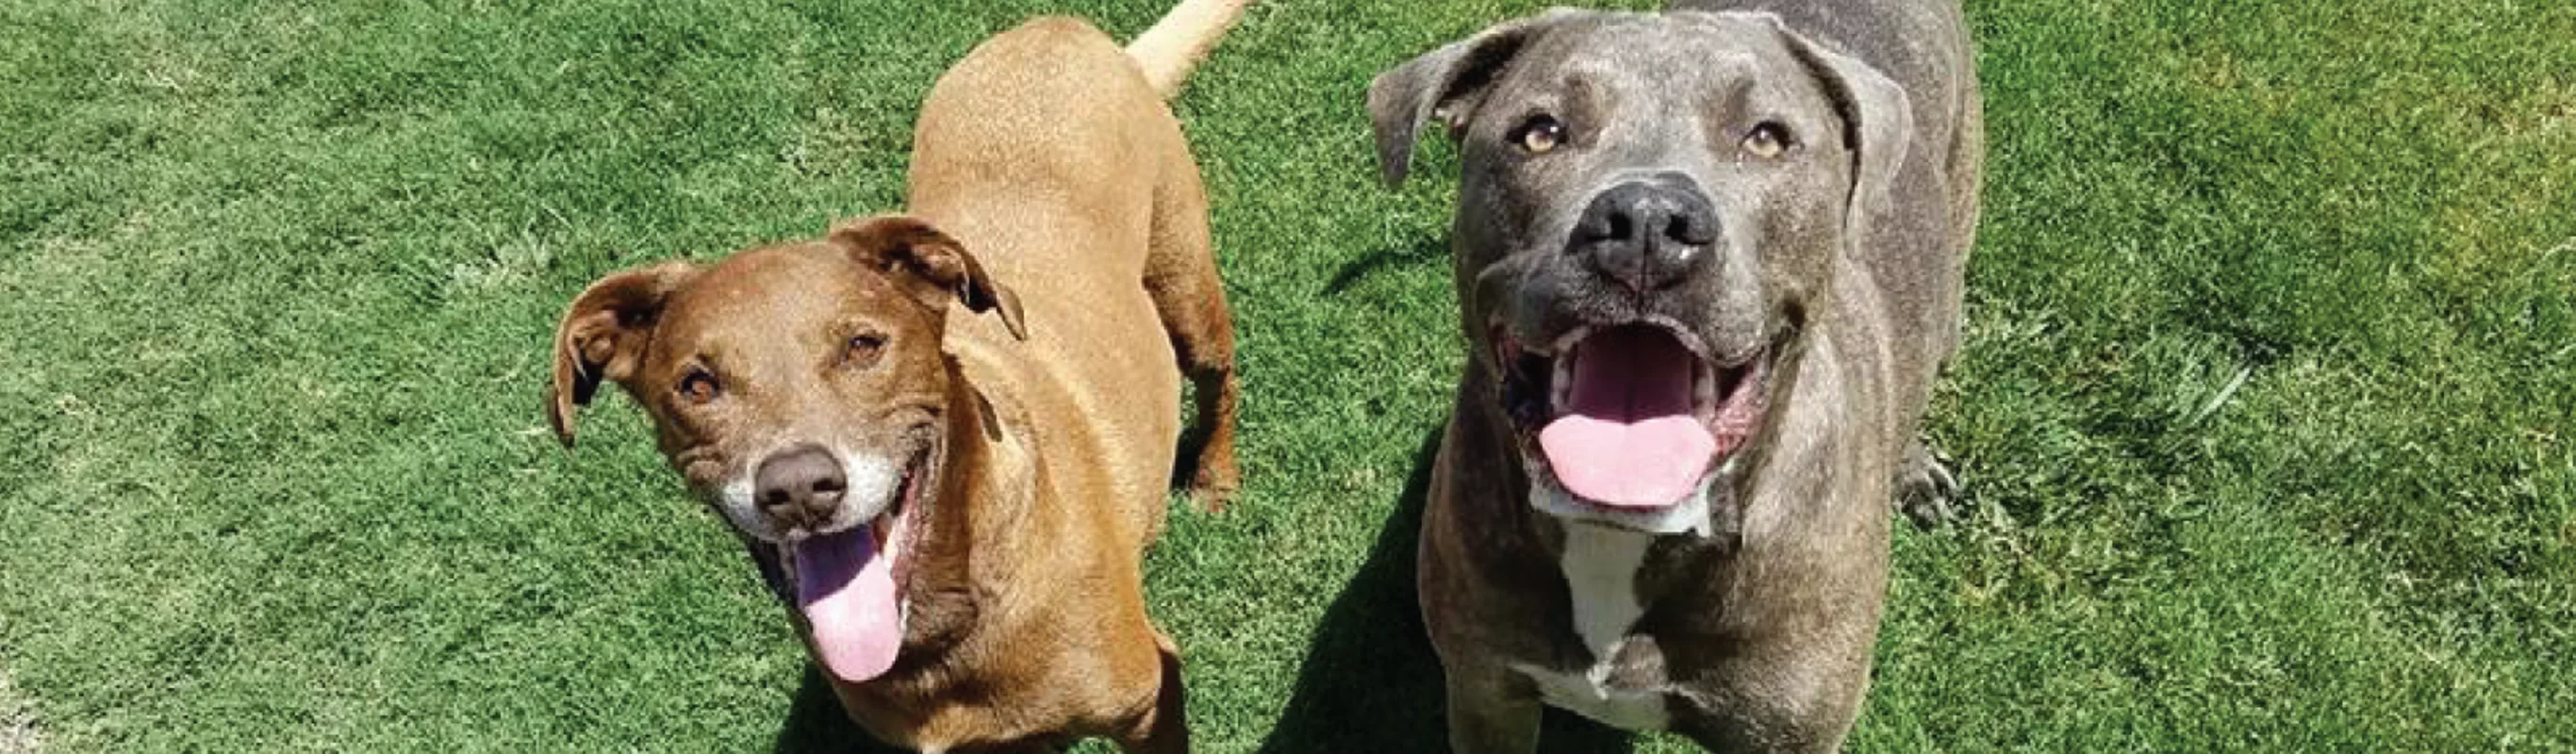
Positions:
(1585, 695)
(1600, 566)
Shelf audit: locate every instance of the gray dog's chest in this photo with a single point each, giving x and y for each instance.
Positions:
(1623, 685)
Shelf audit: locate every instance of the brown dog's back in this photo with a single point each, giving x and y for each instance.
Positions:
(1060, 182)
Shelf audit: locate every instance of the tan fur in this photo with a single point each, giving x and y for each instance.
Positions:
(1184, 36)
(1052, 188)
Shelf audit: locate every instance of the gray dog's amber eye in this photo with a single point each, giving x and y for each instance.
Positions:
(864, 350)
(698, 386)
(1767, 140)
(1539, 134)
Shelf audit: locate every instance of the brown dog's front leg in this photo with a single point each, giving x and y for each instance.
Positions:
(1491, 714)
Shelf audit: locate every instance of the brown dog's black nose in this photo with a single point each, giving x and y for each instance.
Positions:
(800, 486)
(1647, 234)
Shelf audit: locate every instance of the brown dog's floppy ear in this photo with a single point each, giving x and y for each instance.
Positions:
(1447, 83)
(602, 337)
(939, 264)
(1877, 117)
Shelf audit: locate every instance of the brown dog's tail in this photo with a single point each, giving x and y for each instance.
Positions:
(1168, 51)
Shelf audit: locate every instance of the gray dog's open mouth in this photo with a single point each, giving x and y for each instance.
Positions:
(1631, 416)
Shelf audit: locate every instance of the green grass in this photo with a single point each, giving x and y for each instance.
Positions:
(277, 285)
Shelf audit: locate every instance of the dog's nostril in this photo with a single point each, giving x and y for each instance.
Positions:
(800, 480)
(1695, 227)
(1619, 230)
(1646, 233)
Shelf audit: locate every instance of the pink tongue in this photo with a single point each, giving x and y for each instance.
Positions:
(847, 592)
(1628, 438)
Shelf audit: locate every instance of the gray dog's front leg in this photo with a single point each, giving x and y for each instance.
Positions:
(1925, 489)
(1490, 713)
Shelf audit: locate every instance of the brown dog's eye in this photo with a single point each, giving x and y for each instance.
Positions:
(1767, 140)
(865, 349)
(1540, 134)
(698, 386)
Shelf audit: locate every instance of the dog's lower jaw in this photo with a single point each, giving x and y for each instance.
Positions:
(854, 615)
(857, 612)
(1707, 512)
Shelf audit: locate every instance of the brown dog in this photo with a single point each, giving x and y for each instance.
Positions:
(957, 509)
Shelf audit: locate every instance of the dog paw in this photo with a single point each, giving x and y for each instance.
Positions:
(1925, 489)
(1211, 491)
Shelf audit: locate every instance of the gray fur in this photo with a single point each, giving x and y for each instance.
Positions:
(1841, 263)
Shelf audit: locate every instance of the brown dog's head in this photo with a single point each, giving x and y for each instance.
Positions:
(1651, 206)
(802, 391)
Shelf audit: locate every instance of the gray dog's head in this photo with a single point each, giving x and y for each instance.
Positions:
(1652, 210)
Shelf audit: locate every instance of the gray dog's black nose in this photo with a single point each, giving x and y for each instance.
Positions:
(799, 486)
(1647, 234)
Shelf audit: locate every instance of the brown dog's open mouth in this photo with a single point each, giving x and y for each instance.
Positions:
(1633, 416)
(850, 583)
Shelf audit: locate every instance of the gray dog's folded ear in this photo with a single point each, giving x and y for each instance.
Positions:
(1877, 121)
(1446, 83)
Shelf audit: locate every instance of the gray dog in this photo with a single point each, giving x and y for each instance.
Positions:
(1710, 263)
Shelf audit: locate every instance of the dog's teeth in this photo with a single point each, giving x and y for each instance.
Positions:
(1561, 382)
(1565, 343)
(1704, 393)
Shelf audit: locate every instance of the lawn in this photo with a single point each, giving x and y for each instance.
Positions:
(2267, 411)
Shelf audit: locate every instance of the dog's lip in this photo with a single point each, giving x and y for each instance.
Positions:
(1535, 382)
(905, 499)
(1690, 340)
(1509, 345)
(919, 480)
(907, 496)
(1511, 351)
(919, 476)
(1714, 380)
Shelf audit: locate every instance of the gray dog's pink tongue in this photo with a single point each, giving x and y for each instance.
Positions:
(846, 589)
(1628, 438)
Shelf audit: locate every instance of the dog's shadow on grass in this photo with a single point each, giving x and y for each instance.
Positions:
(1370, 681)
(816, 724)
(1431, 250)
